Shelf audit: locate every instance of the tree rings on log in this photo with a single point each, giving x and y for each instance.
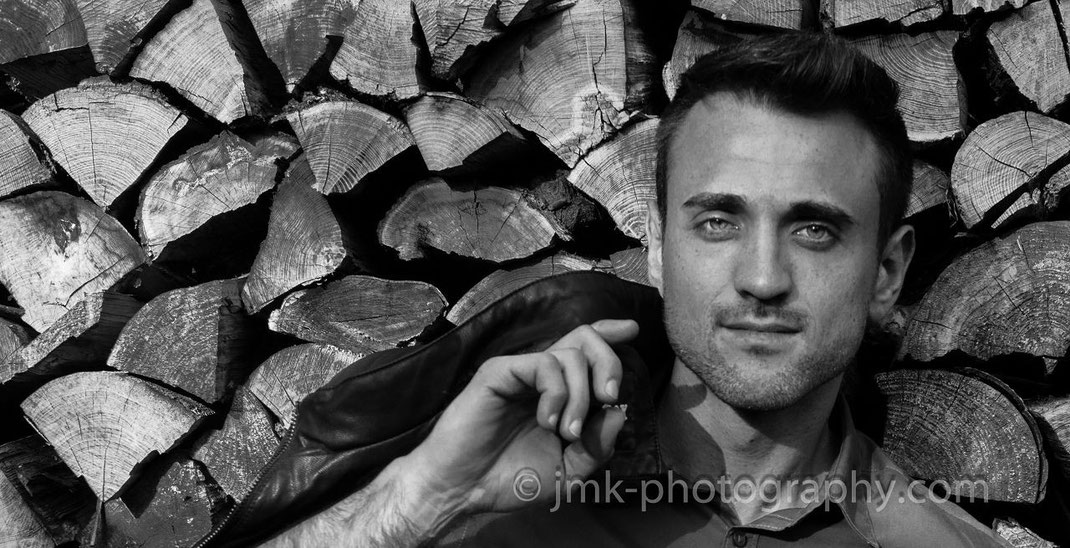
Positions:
(962, 7)
(359, 312)
(928, 190)
(196, 339)
(453, 28)
(843, 13)
(82, 337)
(696, 37)
(39, 482)
(23, 164)
(493, 223)
(788, 14)
(284, 379)
(205, 185)
(1053, 416)
(105, 135)
(631, 265)
(565, 78)
(112, 27)
(620, 176)
(35, 27)
(450, 130)
(105, 423)
(56, 249)
(236, 453)
(503, 282)
(192, 55)
(1005, 298)
(963, 426)
(294, 34)
(345, 141)
(1029, 49)
(932, 97)
(378, 52)
(1011, 165)
(303, 244)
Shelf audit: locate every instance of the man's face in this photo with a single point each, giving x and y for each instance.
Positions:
(769, 261)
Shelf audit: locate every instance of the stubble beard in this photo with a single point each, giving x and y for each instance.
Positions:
(753, 383)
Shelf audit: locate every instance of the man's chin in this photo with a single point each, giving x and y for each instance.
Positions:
(756, 386)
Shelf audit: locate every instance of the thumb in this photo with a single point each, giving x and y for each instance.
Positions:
(585, 455)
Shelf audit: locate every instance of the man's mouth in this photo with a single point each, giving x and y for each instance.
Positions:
(755, 326)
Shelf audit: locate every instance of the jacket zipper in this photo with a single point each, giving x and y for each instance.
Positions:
(237, 508)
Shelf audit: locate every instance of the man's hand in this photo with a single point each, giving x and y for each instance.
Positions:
(527, 411)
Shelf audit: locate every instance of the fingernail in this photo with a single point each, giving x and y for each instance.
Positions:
(611, 388)
(575, 427)
(552, 420)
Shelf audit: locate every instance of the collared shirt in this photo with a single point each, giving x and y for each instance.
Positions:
(658, 508)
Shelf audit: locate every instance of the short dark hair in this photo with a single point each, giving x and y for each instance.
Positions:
(802, 73)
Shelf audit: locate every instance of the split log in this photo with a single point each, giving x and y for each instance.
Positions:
(21, 528)
(56, 249)
(843, 13)
(620, 176)
(696, 37)
(631, 265)
(196, 339)
(42, 484)
(451, 131)
(359, 313)
(1005, 298)
(285, 378)
(105, 423)
(1019, 536)
(22, 161)
(36, 27)
(12, 337)
(932, 97)
(205, 208)
(453, 30)
(962, 427)
(788, 14)
(929, 189)
(379, 51)
(491, 223)
(303, 244)
(172, 504)
(81, 338)
(570, 211)
(1009, 167)
(114, 28)
(192, 55)
(345, 141)
(1053, 417)
(236, 453)
(503, 282)
(567, 77)
(295, 34)
(962, 7)
(1028, 48)
(105, 135)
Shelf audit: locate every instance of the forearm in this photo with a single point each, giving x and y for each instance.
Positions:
(388, 512)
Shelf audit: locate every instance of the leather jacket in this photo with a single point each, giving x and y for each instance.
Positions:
(383, 405)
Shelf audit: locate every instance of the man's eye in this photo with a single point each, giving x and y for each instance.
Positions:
(716, 226)
(815, 233)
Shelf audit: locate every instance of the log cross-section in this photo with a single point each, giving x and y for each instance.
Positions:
(105, 423)
(379, 49)
(285, 378)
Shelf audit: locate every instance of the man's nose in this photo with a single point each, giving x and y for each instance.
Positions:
(762, 271)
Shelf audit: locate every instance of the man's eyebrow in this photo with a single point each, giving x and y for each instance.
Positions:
(820, 211)
(707, 201)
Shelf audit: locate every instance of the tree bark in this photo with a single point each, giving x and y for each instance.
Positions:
(38, 482)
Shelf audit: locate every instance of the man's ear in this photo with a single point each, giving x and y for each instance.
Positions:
(653, 249)
(895, 260)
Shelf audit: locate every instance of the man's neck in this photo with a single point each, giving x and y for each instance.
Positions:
(703, 437)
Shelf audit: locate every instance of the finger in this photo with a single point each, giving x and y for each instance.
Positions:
(604, 362)
(595, 447)
(575, 369)
(510, 377)
(616, 331)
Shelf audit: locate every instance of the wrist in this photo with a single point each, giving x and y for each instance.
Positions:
(427, 506)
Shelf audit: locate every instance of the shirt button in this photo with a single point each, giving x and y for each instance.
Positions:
(739, 539)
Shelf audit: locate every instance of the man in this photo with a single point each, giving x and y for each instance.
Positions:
(783, 173)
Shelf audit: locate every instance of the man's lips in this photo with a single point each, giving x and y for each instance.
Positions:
(761, 327)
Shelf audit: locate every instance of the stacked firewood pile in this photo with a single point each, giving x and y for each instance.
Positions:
(209, 207)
